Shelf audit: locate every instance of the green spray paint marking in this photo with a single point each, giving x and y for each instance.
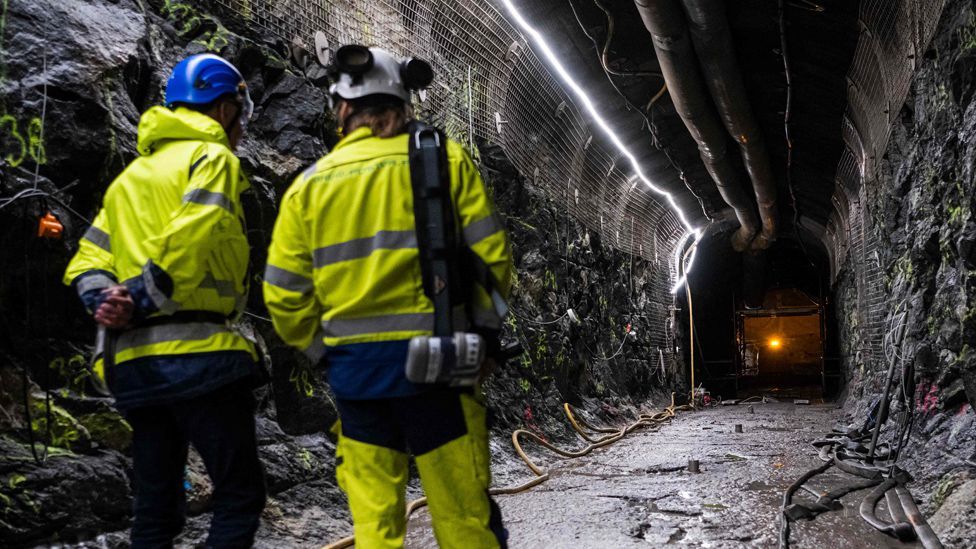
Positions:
(32, 146)
(14, 132)
(299, 377)
(35, 138)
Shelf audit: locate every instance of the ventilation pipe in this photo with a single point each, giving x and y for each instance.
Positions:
(712, 39)
(665, 22)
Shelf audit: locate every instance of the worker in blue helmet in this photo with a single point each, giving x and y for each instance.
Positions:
(163, 271)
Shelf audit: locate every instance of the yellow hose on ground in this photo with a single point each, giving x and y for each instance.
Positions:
(584, 429)
(691, 323)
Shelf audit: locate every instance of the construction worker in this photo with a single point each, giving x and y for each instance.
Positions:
(344, 282)
(163, 270)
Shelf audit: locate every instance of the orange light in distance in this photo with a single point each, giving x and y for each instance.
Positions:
(775, 343)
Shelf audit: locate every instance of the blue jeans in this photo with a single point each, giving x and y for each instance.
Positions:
(220, 425)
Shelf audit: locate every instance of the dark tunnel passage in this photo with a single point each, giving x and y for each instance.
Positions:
(828, 320)
(763, 322)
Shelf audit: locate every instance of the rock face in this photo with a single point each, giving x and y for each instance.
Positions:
(69, 497)
(74, 77)
(921, 209)
(955, 521)
(611, 352)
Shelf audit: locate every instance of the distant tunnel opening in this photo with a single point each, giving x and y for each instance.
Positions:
(763, 323)
(779, 347)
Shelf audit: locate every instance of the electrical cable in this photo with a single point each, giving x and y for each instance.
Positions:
(656, 97)
(259, 317)
(604, 52)
(807, 5)
(691, 320)
(603, 356)
(788, 111)
(34, 192)
(630, 104)
(25, 193)
(619, 349)
(32, 439)
(787, 118)
(31, 193)
(524, 318)
(878, 463)
(40, 145)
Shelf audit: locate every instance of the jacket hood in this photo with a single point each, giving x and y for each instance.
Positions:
(160, 124)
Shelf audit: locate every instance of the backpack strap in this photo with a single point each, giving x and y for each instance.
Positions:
(435, 225)
(447, 263)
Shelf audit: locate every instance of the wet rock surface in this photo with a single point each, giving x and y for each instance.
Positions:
(920, 209)
(69, 496)
(99, 63)
(638, 492)
(614, 354)
(74, 77)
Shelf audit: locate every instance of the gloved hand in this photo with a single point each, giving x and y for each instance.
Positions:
(115, 308)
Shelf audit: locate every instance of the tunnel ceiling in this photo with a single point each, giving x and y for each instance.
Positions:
(850, 63)
(820, 48)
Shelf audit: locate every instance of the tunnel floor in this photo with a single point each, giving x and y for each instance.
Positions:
(638, 492)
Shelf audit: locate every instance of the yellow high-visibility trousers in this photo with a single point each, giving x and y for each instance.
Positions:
(446, 431)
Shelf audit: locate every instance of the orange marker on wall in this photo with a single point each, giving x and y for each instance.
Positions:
(49, 227)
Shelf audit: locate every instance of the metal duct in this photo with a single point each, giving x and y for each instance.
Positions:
(712, 39)
(665, 22)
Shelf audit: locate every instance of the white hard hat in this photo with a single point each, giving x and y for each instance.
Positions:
(366, 71)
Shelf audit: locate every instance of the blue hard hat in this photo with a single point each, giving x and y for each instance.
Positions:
(201, 79)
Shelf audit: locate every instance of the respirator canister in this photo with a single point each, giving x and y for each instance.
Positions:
(455, 360)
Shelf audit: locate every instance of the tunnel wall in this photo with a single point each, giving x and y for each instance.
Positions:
(491, 87)
(919, 262)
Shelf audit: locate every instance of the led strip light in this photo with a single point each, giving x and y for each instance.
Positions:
(564, 75)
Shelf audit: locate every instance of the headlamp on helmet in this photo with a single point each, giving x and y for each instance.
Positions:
(416, 74)
(354, 60)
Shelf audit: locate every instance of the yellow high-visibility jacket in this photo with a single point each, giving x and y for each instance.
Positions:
(171, 229)
(343, 266)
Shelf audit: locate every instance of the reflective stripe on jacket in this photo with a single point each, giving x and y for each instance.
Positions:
(171, 229)
(343, 265)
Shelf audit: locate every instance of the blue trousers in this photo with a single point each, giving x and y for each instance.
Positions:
(220, 425)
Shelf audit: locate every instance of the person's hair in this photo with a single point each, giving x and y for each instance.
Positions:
(386, 115)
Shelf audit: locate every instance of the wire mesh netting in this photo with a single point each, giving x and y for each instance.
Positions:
(491, 87)
(894, 34)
